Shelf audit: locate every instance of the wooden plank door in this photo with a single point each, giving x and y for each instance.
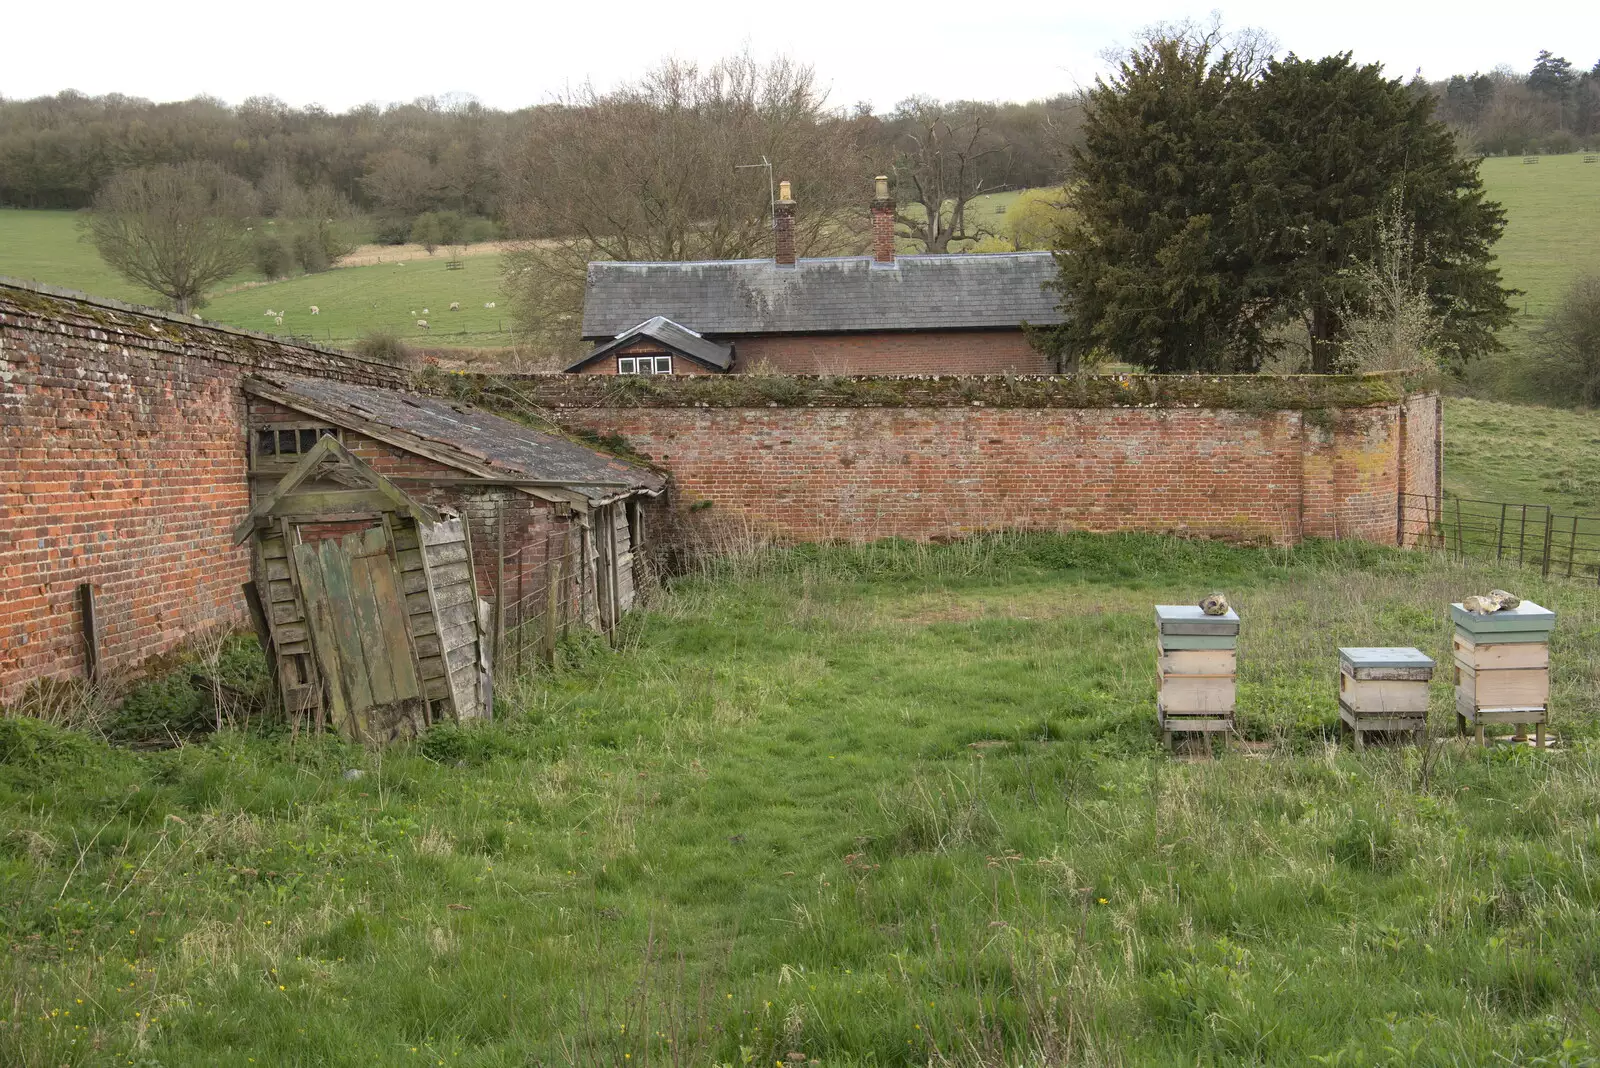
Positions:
(358, 624)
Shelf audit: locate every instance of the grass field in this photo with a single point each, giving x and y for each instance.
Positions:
(888, 806)
(1520, 453)
(1553, 235)
(354, 301)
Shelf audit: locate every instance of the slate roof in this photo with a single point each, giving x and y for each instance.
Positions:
(728, 298)
(475, 437)
(679, 339)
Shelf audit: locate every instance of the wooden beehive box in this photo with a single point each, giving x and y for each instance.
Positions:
(1502, 666)
(1197, 664)
(1383, 688)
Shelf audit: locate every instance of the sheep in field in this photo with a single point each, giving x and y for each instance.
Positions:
(424, 311)
(315, 310)
(455, 305)
(489, 305)
(423, 323)
(269, 313)
(279, 320)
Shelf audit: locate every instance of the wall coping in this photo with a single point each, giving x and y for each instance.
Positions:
(44, 299)
(1239, 392)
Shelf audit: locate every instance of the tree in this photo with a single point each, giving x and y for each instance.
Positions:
(1552, 77)
(654, 171)
(175, 230)
(1569, 344)
(1220, 198)
(1149, 269)
(1037, 217)
(945, 154)
(1332, 149)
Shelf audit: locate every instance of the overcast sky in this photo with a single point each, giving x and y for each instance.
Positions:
(511, 53)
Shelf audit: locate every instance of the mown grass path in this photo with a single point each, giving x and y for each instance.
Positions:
(888, 806)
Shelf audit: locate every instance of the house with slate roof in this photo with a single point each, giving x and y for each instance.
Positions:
(878, 314)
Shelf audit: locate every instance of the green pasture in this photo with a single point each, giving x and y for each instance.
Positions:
(1552, 225)
(43, 246)
(1523, 454)
(354, 301)
(888, 806)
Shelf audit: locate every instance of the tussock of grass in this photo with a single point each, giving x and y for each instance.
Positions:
(893, 804)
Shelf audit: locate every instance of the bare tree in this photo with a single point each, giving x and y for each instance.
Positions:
(652, 171)
(945, 155)
(175, 230)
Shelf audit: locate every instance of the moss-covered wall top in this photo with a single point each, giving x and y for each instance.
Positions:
(1239, 392)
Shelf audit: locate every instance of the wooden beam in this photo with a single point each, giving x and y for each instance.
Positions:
(91, 632)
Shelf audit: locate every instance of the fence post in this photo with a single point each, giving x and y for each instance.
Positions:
(1572, 544)
(1500, 534)
(499, 580)
(1548, 534)
(1459, 551)
(1522, 535)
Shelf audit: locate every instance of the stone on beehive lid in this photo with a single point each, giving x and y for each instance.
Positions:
(1384, 680)
(1527, 622)
(1185, 626)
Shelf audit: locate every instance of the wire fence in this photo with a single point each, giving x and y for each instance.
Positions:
(1532, 535)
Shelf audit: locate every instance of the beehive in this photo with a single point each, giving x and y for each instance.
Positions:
(1502, 668)
(1384, 689)
(1197, 667)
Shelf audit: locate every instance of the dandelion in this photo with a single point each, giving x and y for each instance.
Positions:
(1102, 901)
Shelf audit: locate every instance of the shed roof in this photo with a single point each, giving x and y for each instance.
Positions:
(679, 339)
(723, 298)
(462, 435)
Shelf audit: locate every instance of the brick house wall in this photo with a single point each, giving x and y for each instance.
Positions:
(123, 464)
(925, 352)
(928, 352)
(952, 457)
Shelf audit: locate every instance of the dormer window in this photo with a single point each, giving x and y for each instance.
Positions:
(644, 365)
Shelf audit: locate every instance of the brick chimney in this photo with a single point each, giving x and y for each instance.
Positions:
(882, 221)
(783, 227)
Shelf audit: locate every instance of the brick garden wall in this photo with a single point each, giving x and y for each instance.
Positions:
(123, 464)
(858, 459)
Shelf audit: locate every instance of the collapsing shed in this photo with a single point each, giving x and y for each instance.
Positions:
(555, 529)
(377, 621)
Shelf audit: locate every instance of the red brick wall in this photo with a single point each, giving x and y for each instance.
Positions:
(122, 464)
(930, 352)
(856, 474)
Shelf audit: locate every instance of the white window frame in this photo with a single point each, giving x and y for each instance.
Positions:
(627, 365)
(663, 365)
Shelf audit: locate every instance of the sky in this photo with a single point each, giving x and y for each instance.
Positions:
(513, 53)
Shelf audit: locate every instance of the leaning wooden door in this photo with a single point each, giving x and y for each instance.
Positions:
(358, 625)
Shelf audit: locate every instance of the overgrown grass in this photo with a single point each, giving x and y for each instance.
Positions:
(889, 805)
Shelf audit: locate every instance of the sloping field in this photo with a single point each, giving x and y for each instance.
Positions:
(889, 806)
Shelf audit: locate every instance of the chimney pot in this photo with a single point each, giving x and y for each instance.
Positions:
(882, 221)
(783, 191)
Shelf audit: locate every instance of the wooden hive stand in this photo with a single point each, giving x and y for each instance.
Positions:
(1502, 669)
(1198, 667)
(1384, 689)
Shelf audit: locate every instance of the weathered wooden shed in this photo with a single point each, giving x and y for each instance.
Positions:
(554, 528)
(375, 624)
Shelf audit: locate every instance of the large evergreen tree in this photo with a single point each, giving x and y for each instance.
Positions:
(1334, 151)
(1150, 270)
(1214, 201)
